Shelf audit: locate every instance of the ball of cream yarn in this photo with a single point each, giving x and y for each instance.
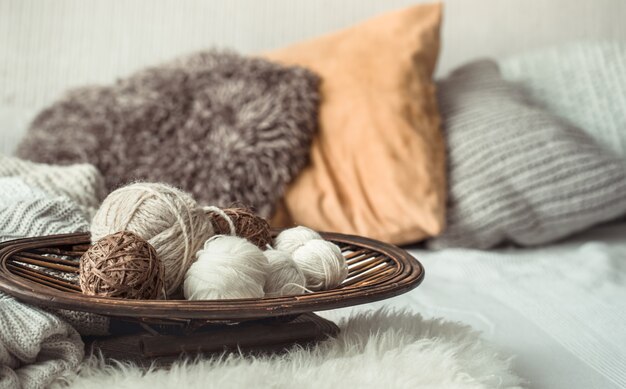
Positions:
(284, 276)
(228, 267)
(322, 263)
(290, 239)
(168, 218)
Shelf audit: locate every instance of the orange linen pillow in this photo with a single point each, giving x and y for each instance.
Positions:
(378, 163)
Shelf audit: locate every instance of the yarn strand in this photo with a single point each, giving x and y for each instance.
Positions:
(218, 211)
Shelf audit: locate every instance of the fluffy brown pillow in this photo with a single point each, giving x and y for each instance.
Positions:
(378, 165)
(229, 129)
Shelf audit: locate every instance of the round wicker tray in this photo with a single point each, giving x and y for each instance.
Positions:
(42, 271)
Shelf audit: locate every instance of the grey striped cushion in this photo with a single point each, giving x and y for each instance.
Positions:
(516, 172)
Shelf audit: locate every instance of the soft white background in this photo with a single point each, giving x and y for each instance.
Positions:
(47, 46)
(560, 310)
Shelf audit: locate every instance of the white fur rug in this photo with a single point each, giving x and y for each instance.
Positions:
(388, 349)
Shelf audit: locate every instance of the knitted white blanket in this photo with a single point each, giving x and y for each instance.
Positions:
(80, 184)
(37, 347)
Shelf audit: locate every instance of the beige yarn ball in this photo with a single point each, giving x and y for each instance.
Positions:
(228, 267)
(293, 238)
(322, 263)
(284, 276)
(168, 218)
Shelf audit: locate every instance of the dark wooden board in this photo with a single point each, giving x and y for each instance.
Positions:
(256, 337)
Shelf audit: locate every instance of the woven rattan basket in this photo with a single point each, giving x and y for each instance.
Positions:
(43, 271)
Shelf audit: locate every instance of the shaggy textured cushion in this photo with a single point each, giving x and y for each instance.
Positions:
(378, 166)
(583, 82)
(229, 129)
(518, 173)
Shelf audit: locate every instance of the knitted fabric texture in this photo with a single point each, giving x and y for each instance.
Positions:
(35, 346)
(518, 173)
(28, 211)
(583, 82)
(87, 324)
(38, 199)
(226, 128)
(81, 183)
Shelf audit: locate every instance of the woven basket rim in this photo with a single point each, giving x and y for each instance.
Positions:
(408, 273)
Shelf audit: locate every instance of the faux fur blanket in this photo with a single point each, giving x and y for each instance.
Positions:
(380, 349)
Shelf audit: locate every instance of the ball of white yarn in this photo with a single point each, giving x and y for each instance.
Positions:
(322, 263)
(291, 239)
(168, 218)
(229, 267)
(284, 277)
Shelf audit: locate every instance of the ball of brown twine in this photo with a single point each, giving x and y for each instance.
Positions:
(247, 225)
(121, 265)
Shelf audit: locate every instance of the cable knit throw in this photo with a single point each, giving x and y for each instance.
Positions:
(82, 184)
(37, 346)
(227, 128)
